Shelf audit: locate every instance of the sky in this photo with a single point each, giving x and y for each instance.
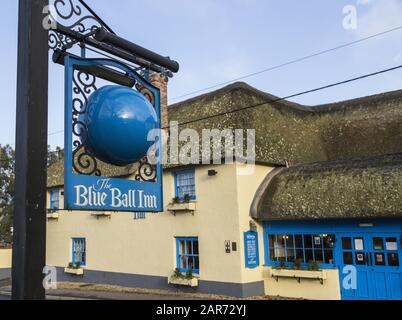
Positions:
(217, 41)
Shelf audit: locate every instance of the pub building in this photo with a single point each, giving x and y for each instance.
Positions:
(319, 217)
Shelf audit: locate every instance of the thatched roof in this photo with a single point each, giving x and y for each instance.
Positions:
(289, 132)
(362, 188)
(55, 173)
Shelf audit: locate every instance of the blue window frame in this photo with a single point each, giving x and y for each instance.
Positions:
(55, 199)
(187, 254)
(79, 251)
(184, 181)
(303, 247)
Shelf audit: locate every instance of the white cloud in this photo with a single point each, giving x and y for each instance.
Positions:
(378, 16)
(364, 2)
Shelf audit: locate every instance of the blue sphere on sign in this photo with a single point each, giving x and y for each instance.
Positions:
(118, 120)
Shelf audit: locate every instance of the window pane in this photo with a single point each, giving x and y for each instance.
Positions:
(188, 254)
(309, 255)
(347, 257)
(290, 255)
(182, 246)
(391, 244)
(328, 256)
(393, 259)
(360, 258)
(189, 249)
(347, 243)
(378, 243)
(318, 256)
(379, 259)
(280, 250)
(185, 184)
(289, 241)
(79, 251)
(359, 244)
(317, 241)
(195, 247)
(196, 263)
(190, 262)
(298, 241)
(308, 242)
(299, 254)
(184, 264)
(290, 250)
(329, 241)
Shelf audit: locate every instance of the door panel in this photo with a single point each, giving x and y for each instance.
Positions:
(376, 258)
(380, 285)
(395, 285)
(363, 284)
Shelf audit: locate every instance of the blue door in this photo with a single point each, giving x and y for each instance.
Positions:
(376, 263)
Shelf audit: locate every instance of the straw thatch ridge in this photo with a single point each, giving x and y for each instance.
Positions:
(361, 188)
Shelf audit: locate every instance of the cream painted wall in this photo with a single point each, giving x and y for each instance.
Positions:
(5, 258)
(247, 185)
(306, 289)
(122, 244)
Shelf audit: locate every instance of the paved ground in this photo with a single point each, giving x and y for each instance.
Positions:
(61, 294)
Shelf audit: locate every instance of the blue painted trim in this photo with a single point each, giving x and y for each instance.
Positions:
(178, 255)
(53, 192)
(176, 187)
(71, 179)
(85, 251)
(325, 227)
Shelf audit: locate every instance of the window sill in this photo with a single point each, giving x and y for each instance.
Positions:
(183, 282)
(298, 274)
(101, 214)
(77, 272)
(52, 215)
(182, 207)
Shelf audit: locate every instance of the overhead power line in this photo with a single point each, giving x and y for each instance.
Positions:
(278, 99)
(291, 96)
(287, 63)
(277, 67)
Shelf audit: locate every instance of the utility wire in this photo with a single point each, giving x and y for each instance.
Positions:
(278, 99)
(288, 63)
(103, 23)
(113, 58)
(290, 96)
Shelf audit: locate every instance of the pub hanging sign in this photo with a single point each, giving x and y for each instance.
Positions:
(110, 164)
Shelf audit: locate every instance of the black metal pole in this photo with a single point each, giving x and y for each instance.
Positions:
(29, 247)
(110, 49)
(103, 35)
(100, 72)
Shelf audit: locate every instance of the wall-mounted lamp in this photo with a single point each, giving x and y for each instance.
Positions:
(253, 226)
(212, 173)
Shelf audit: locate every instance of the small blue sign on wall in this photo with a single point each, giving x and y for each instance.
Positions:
(251, 249)
(106, 165)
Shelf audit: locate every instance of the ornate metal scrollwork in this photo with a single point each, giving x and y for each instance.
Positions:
(59, 41)
(146, 171)
(71, 15)
(83, 161)
(147, 93)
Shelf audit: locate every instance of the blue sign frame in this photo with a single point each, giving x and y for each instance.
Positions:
(251, 252)
(97, 192)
